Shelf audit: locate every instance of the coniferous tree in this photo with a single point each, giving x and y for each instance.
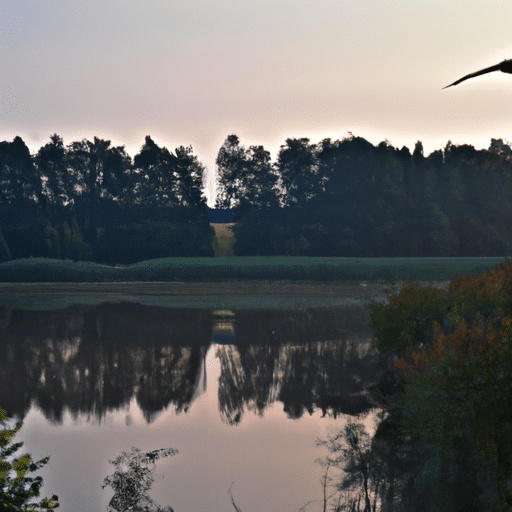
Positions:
(19, 492)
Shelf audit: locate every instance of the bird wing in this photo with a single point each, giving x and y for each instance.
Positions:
(496, 67)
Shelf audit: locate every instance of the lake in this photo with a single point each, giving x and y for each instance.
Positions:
(243, 393)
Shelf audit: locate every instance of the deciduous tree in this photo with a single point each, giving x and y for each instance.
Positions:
(362, 477)
(133, 479)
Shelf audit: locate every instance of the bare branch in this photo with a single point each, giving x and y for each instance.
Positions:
(233, 499)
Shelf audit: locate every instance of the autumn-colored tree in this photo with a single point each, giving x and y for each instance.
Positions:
(456, 405)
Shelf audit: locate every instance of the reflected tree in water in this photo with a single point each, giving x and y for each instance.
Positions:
(247, 380)
(96, 360)
(333, 376)
(167, 375)
(133, 479)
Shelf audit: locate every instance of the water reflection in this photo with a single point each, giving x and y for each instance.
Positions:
(223, 327)
(95, 360)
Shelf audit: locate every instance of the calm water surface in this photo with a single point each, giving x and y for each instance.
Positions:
(243, 395)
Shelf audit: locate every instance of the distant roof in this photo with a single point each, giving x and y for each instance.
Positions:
(221, 216)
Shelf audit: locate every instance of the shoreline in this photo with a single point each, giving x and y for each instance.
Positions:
(207, 295)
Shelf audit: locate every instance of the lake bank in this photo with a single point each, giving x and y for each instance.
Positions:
(239, 268)
(211, 295)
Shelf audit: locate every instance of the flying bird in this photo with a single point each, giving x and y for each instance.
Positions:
(505, 66)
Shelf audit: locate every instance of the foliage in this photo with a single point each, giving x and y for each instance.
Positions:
(406, 320)
(163, 178)
(5, 253)
(133, 479)
(60, 202)
(298, 171)
(148, 240)
(456, 406)
(359, 487)
(72, 243)
(19, 492)
(351, 198)
(246, 179)
(20, 180)
(342, 198)
(39, 270)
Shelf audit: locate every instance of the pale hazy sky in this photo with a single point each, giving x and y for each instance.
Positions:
(191, 72)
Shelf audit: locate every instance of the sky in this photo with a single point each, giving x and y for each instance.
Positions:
(192, 72)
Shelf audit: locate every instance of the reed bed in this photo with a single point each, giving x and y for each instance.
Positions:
(247, 268)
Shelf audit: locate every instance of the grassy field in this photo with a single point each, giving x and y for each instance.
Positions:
(247, 268)
(224, 241)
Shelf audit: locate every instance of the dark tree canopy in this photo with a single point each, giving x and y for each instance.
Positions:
(351, 198)
(73, 201)
(246, 178)
(343, 197)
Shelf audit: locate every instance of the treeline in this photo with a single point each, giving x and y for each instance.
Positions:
(351, 198)
(91, 201)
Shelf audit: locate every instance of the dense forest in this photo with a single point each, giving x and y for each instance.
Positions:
(351, 198)
(89, 200)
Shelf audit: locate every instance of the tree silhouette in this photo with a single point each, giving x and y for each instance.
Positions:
(133, 479)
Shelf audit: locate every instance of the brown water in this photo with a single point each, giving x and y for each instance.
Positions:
(243, 395)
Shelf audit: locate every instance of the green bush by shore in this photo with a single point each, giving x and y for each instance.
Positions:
(247, 268)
